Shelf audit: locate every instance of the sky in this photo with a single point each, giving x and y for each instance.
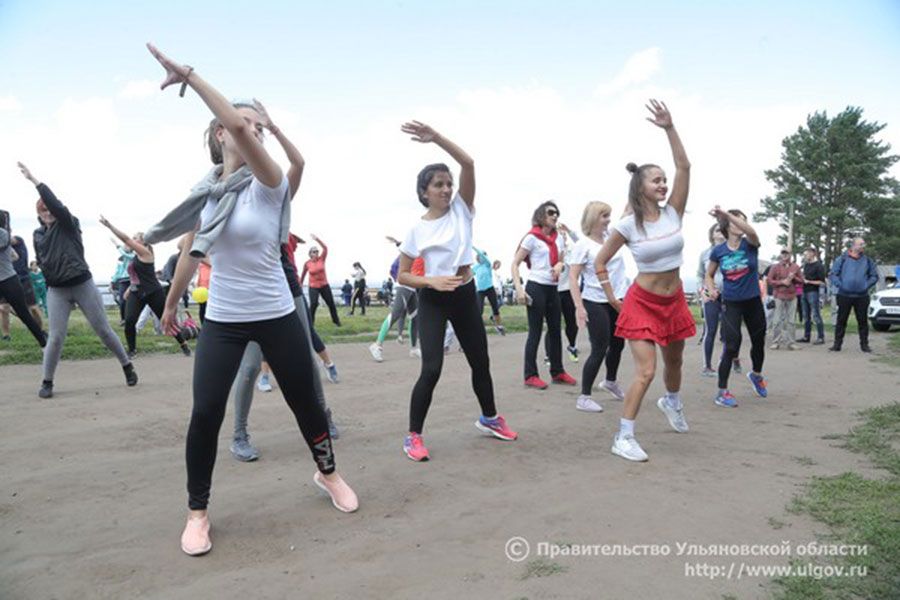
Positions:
(548, 98)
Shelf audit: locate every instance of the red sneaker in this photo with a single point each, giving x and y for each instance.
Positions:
(536, 382)
(496, 427)
(565, 379)
(414, 447)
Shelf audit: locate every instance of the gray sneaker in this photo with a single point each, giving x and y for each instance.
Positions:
(243, 450)
(331, 373)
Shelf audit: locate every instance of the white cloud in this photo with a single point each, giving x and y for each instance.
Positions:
(9, 103)
(142, 88)
(637, 69)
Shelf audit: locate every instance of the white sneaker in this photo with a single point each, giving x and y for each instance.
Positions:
(675, 416)
(586, 404)
(628, 448)
(613, 388)
(263, 384)
(415, 352)
(375, 349)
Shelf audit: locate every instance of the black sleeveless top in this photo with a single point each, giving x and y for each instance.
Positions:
(146, 274)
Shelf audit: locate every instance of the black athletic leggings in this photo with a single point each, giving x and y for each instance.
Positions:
(218, 356)
(567, 305)
(460, 307)
(11, 290)
(359, 295)
(325, 293)
(491, 295)
(752, 313)
(134, 305)
(601, 326)
(544, 306)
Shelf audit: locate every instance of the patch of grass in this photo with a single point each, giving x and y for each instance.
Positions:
(805, 461)
(776, 524)
(859, 512)
(892, 356)
(541, 567)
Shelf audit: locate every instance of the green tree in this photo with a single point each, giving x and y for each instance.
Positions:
(835, 173)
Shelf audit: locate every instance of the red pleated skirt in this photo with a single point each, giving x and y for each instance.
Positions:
(649, 316)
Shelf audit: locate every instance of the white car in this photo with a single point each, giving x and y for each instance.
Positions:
(884, 308)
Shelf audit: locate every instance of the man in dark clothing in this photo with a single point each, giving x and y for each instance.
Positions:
(852, 275)
(813, 278)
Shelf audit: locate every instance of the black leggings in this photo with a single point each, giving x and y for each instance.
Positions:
(134, 305)
(327, 296)
(752, 313)
(544, 306)
(567, 305)
(359, 294)
(460, 307)
(121, 286)
(11, 290)
(318, 344)
(218, 356)
(601, 327)
(491, 295)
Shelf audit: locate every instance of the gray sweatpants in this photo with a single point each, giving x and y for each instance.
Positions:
(249, 370)
(60, 302)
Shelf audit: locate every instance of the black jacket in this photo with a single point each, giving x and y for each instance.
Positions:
(58, 247)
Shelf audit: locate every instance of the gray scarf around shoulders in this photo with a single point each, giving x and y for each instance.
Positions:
(184, 217)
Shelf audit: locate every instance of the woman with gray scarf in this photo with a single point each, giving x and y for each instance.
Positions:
(239, 215)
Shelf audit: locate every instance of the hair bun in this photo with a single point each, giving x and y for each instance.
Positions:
(631, 168)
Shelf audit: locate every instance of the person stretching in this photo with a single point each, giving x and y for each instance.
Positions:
(318, 282)
(443, 238)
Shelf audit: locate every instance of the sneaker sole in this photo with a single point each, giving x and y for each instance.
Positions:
(599, 409)
(723, 405)
(536, 387)
(615, 397)
(325, 489)
(490, 431)
(626, 457)
(414, 459)
(240, 458)
(565, 383)
(200, 552)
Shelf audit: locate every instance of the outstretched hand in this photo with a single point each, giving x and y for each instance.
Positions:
(419, 131)
(104, 222)
(26, 173)
(175, 73)
(661, 115)
(718, 213)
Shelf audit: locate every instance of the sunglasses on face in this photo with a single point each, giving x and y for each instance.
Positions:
(552, 212)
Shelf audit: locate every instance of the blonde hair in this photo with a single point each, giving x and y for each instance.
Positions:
(592, 212)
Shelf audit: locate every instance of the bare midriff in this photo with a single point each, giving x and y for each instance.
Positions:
(661, 284)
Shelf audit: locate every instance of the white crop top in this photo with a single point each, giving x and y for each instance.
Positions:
(660, 247)
(445, 243)
(247, 282)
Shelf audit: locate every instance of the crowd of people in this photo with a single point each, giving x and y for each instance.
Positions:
(236, 221)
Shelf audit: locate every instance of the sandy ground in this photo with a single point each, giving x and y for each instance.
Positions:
(93, 497)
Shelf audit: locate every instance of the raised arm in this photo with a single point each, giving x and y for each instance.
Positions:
(662, 118)
(295, 171)
(424, 134)
(319, 241)
(56, 208)
(736, 222)
(612, 245)
(264, 168)
(142, 252)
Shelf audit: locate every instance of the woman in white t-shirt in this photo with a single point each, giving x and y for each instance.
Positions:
(592, 308)
(237, 215)
(655, 312)
(443, 238)
(543, 250)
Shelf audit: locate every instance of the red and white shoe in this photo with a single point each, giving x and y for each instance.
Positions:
(565, 379)
(414, 447)
(536, 382)
(496, 427)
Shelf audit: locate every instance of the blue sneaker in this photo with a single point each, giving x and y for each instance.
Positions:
(724, 398)
(331, 373)
(760, 385)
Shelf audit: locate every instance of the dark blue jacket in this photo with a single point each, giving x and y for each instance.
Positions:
(853, 276)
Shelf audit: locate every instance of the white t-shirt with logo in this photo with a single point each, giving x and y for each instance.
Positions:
(541, 271)
(444, 243)
(247, 282)
(584, 253)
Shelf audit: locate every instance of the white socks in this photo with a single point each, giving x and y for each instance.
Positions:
(626, 427)
(673, 400)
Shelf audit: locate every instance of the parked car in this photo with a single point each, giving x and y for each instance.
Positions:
(884, 308)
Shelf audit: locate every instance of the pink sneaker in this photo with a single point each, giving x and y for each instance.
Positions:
(565, 379)
(414, 446)
(343, 498)
(496, 427)
(195, 538)
(536, 382)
